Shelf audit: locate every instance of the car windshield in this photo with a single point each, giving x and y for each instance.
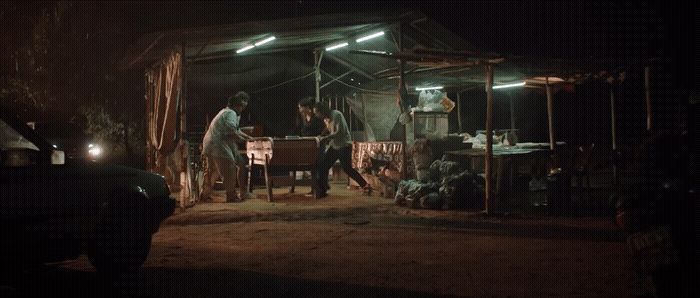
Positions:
(11, 139)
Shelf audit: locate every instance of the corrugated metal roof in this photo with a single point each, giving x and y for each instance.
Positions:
(446, 59)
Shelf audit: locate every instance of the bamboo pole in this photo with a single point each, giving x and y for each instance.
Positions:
(459, 112)
(488, 198)
(550, 108)
(647, 91)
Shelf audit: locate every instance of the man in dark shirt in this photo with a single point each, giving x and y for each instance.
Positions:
(310, 126)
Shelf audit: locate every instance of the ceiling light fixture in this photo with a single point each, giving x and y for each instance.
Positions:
(244, 49)
(429, 88)
(509, 85)
(345, 44)
(378, 34)
(264, 41)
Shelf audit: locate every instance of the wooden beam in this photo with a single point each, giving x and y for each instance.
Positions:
(351, 66)
(143, 53)
(428, 60)
(336, 78)
(488, 158)
(550, 108)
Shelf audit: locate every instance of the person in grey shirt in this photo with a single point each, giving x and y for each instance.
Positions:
(340, 147)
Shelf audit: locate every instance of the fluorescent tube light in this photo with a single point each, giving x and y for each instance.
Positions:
(245, 49)
(361, 39)
(264, 41)
(509, 85)
(429, 88)
(345, 44)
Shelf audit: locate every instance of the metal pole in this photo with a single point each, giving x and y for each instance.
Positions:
(550, 108)
(489, 139)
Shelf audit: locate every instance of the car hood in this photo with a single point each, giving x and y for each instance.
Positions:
(153, 184)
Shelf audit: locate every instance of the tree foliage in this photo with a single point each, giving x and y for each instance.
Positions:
(33, 56)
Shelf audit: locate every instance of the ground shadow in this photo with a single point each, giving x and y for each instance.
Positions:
(53, 281)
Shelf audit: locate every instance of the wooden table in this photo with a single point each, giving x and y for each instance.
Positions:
(298, 154)
(504, 156)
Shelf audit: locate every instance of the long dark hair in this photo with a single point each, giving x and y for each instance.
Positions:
(323, 109)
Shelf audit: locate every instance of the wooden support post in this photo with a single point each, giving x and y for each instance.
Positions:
(351, 121)
(318, 54)
(189, 173)
(364, 114)
(613, 122)
(550, 108)
(613, 130)
(402, 86)
(512, 112)
(488, 204)
(268, 179)
(459, 112)
(647, 91)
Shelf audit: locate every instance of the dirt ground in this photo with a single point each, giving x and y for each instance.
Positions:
(351, 245)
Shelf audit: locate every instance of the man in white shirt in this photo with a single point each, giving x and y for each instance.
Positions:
(220, 149)
(340, 147)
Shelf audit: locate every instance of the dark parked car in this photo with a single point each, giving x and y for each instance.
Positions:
(54, 209)
(70, 138)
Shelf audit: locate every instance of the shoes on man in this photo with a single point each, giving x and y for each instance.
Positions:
(367, 189)
(246, 196)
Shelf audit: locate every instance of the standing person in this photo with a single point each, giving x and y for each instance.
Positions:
(220, 149)
(340, 147)
(311, 126)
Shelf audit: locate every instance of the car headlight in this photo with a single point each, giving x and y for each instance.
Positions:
(94, 150)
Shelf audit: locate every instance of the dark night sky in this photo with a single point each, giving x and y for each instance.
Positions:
(101, 32)
(574, 29)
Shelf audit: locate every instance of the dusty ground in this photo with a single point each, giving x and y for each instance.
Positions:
(349, 245)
